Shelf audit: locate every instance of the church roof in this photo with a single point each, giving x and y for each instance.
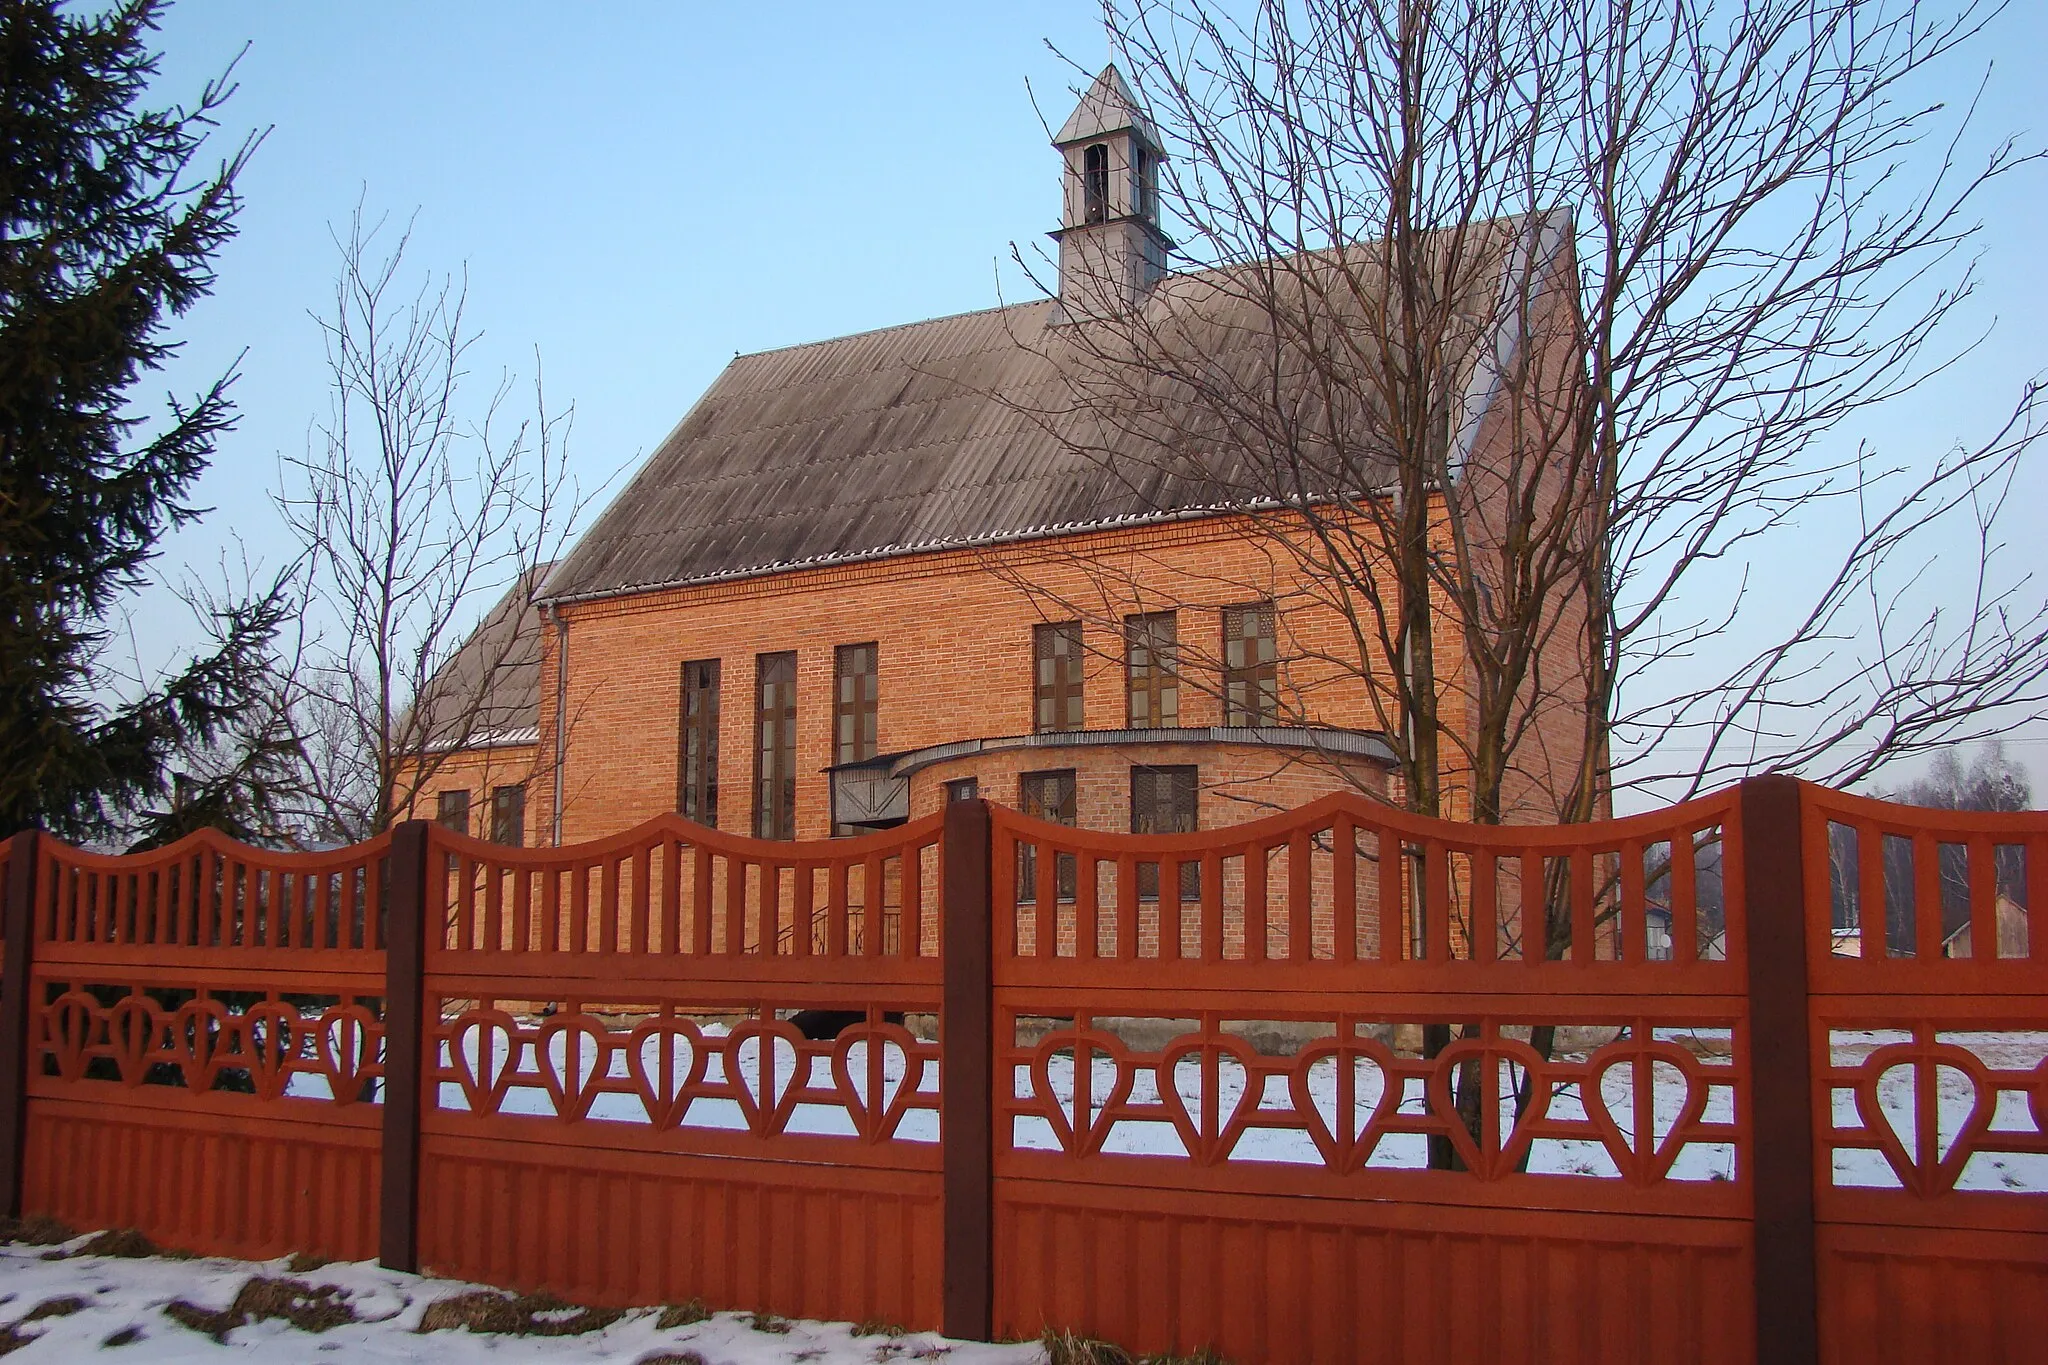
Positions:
(1107, 107)
(958, 431)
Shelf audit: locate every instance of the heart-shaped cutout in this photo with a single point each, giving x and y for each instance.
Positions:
(132, 1035)
(68, 1025)
(201, 1031)
(666, 1059)
(766, 1066)
(878, 1085)
(484, 1048)
(1927, 1163)
(1642, 1144)
(1346, 1121)
(1084, 1120)
(1209, 1133)
(1492, 1154)
(573, 1053)
(271, 1036)
(345, 1044)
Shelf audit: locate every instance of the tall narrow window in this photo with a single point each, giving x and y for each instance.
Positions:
(853, 703)
(1145, 183)
(1163, 802)
(1251, 681)
(1095, 183)
(697, 759)
(853, 711)
(508, 815)
(775, 746)
(1046, 796)
(451, 810)
(1057, 648)
(1149, 662)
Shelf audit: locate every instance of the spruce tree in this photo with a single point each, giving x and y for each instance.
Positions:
(109, 223)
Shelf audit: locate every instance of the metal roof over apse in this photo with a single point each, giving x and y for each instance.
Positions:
(957, 431)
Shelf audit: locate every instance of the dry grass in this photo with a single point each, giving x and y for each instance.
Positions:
(54, 1308)
(305, 1263)
(262, 1298)
(1069, 1348)
(37, 1230)
(124, 1337)
(873, 1328)
(768, 1322)
(126, 1242)
(672, 1358)
(524, 1315)
(682, 1315)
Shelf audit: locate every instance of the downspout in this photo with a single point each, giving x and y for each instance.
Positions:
(561, 716)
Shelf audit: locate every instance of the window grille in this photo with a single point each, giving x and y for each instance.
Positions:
(1046, 796)
(508, 815)
(1163, 802)
(1057, 648)
(451, 810)
(1251, 679)
(697, 761)
(1150, 649)
(775, 746)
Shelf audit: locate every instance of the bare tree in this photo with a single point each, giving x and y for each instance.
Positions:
(1518, 323)
(427, 520)
(1519, 328)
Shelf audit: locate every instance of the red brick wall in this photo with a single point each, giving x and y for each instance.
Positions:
(478, 771)
(955, 640)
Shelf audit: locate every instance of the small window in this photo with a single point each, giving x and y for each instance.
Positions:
(962, 789)
(1057, 651)
(697, 763)
(1251, 682)
(853, 703)
(775, 746)
(1095, 184)
(1046, 796)
(451, 810)
(1150, 647)
(508, 816)
(1163, 802)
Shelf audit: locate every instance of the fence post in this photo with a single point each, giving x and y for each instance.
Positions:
(966, 1074)
(1780, 1078)
(15, 1045)
(405, 940)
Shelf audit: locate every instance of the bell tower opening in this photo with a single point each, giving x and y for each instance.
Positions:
(1095, 183)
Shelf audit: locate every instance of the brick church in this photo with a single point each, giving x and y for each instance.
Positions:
(869, 575)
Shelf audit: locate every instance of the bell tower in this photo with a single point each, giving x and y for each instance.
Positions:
(1111, 248)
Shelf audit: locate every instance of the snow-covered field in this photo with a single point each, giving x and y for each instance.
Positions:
(113, 1309)
(769, 1068)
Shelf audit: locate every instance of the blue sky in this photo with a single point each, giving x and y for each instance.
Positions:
(642, 190)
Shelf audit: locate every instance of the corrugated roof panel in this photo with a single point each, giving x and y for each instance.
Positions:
(940, 432)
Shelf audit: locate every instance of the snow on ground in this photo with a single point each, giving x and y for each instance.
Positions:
(123, 1300)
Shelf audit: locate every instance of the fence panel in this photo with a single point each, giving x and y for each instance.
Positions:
(1230, 1066)
(621, 1110)
(1337, 1085)
(205, 1045)
(1929, 998)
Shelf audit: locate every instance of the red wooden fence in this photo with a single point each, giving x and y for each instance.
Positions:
(1199, 1090)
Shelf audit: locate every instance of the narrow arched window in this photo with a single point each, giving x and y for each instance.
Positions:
(1095, 184)
(1145, 183)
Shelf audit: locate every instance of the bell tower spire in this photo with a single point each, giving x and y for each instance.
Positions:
(1111, 248)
